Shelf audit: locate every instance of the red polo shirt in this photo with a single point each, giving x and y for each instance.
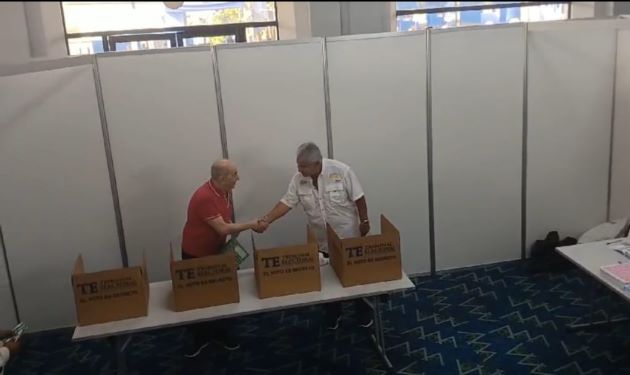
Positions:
(199, 239)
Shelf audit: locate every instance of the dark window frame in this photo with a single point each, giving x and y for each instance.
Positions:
(176, 34)
(463, 8)
(113, 40)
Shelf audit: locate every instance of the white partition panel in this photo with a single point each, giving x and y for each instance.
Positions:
(7, 313)
(273, 98)
(378, 109)
(477, 88)
(55, 200)
(569, 113)
(579, 24)
(164, 131)
(620, 189)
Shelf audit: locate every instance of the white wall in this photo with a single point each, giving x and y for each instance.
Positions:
(600, 9)
(591, 9)
(620, 182)
(45, 29)
(477, 98)
(15, 49)
(273, 99)
(366, 17)
(31, 30)
(7, 314)
(582, 9)
(570, 84)
(325, 17)
(162, 153)
(378, 86)
(294, 19)
(13, 33)
(603, 9)
(334, 18)
(55, 201)
(621, 7)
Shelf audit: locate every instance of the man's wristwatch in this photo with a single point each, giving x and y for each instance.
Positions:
(366, 221)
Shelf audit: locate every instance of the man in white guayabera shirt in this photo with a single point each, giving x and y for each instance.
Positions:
(330, 193)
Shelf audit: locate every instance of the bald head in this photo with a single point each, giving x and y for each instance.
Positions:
(224, 174)
(221, 168)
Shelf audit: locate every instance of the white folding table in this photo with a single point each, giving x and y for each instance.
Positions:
(162, 315)
(590, 257)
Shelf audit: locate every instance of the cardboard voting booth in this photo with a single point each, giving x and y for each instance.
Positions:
(109, 295)
(204, 282)
(365, 260)
(287, 270)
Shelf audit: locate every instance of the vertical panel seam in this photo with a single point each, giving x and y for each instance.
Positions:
(327, 110)
(429, 122)
(110, 163)
(612, 127)
(524, 146)
(9, 277)
(221, 115)
(219, 101)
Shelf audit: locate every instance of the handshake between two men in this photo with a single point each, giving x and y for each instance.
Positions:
(261, 224)
(327, 189)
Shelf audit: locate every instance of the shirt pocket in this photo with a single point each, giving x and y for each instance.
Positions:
(337, 193)
(306, 198)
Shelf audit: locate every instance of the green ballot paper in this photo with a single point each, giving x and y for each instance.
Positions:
(234, 246)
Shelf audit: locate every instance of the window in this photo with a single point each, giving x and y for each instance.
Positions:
(93, 27)
(418, 15)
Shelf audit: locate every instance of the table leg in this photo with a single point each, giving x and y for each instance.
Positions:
(599, 323)
(379, 337)
(119, 345)
(591, 323)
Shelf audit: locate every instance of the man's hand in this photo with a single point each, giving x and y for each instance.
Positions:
(263, 223)
(260, 226)
(364, 228)
(5, 334)
(13, 346)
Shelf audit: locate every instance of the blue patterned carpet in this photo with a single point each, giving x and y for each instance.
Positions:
(496, 319)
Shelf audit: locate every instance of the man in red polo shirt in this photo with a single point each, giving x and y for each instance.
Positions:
(208, 224)
(9, 346)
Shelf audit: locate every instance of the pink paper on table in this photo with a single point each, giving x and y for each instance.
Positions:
(620, 272)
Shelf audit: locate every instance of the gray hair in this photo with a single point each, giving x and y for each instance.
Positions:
(309, 152)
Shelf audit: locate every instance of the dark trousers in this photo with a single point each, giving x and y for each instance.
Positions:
(333, 309)
(204, 332)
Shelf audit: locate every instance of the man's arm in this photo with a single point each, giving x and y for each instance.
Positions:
(364, 224)
(5, 334)
(355, 191)
(277, 212)
(13, 346)
(285, 204)
(223, 228)
(5, 354)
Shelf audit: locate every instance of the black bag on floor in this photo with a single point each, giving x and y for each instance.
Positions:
(545, 258)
